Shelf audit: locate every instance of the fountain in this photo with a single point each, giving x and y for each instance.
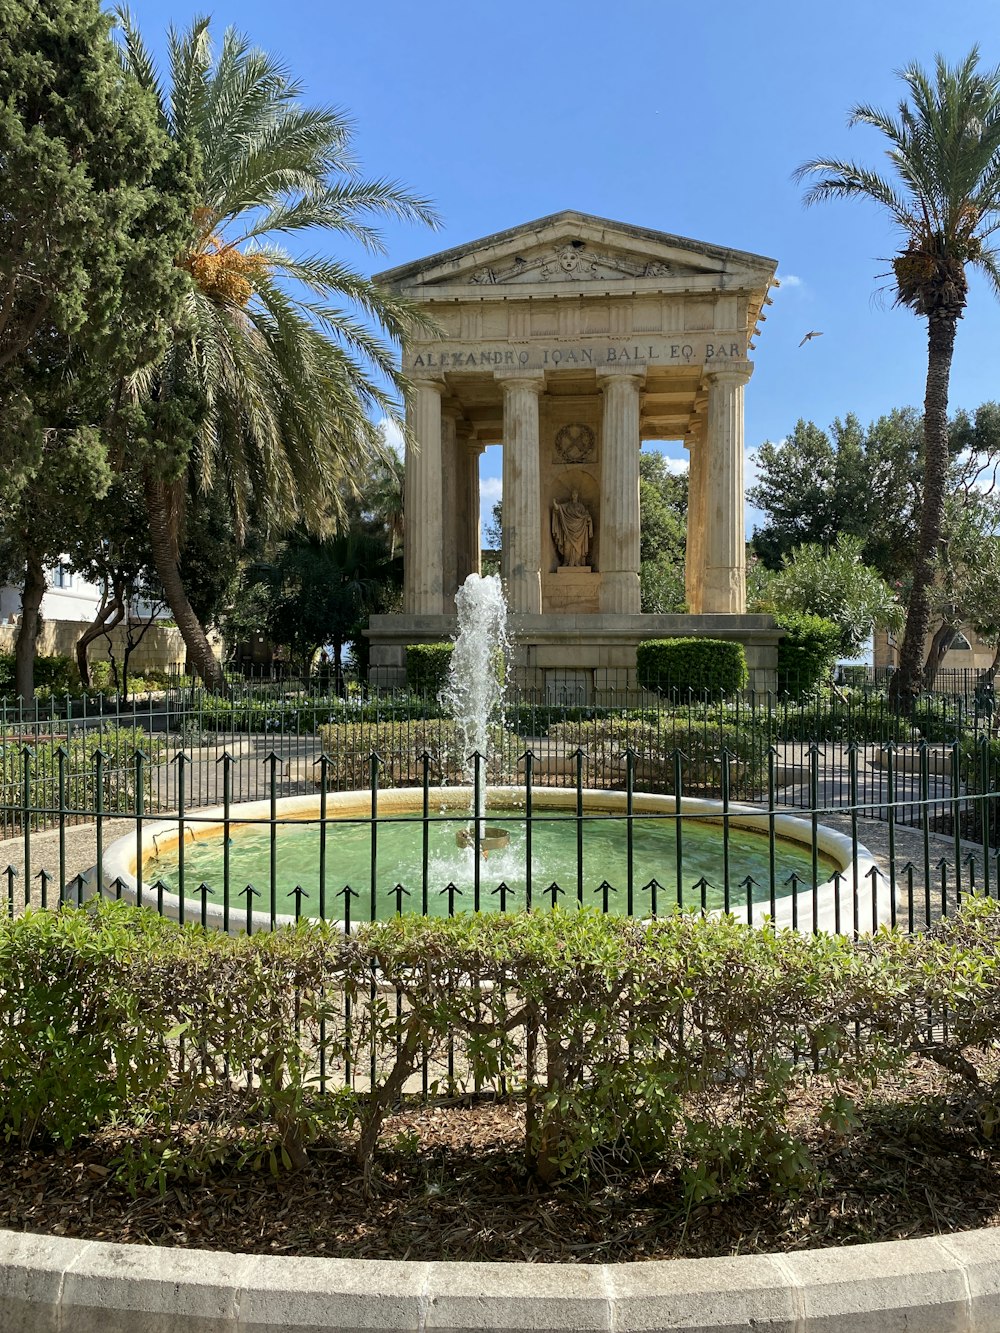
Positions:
(474, 692)
(632, 839)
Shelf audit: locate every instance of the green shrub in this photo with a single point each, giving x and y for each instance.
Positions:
(806, 652)
(712, 666)
(400, 746)
(53, 675)
(657, 744)
(114, 777)
(676, 1043)
(427, 667)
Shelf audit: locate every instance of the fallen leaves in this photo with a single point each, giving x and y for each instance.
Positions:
(454, 1187)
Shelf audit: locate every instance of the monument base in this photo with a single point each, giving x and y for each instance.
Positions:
(578, 659)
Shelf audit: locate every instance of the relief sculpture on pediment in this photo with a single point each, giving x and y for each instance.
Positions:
(573, 261)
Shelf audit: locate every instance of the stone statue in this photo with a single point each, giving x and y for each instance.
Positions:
(572, 529)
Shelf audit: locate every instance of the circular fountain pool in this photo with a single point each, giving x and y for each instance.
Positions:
(580, 856)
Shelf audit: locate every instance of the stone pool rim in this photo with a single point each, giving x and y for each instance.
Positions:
(856, 863)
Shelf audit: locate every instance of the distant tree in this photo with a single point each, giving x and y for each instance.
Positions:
(943, 196)
(663, 501)
(817, 485)
(966, 591)
(325, 590)
(92, 211)
(834, 582)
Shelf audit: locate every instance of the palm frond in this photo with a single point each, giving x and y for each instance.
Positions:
(846, 180)
(136, 59)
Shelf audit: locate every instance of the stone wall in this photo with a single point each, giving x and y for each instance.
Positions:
(161, 647)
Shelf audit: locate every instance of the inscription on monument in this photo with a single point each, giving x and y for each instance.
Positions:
(696, 349)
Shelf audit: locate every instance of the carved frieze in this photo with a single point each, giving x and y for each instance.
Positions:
(574, 261)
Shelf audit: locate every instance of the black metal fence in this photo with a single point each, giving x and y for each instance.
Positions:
(921, 792)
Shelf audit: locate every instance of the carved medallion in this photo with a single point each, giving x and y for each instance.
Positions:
(575, 443)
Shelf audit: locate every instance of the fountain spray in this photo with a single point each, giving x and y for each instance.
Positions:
(477, 675)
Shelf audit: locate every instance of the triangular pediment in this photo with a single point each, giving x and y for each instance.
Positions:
(576, 251)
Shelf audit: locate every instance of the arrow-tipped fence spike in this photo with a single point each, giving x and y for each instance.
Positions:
(298, 893)
(347, 892)
(204, 889)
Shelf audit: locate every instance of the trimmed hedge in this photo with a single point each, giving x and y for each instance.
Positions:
(400, 747)
(677, 1044)
(717, 666)
(656, 742)
(427, 667)
(806, 652)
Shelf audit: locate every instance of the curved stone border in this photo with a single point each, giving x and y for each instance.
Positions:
(859, 874)
(935, 1285)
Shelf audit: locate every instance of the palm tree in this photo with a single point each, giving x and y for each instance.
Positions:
(943, 195)
(278, 370)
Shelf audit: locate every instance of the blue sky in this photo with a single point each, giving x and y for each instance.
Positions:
(686, 118)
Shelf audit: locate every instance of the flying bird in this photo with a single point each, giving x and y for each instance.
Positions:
(814, 334)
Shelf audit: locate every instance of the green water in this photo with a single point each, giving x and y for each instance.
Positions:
(399, 860)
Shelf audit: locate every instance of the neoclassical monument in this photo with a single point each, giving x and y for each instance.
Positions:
(569, 341)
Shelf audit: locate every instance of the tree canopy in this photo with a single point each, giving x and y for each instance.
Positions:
(942, 196)
(288, 353)
(663, 500)
(93, 209)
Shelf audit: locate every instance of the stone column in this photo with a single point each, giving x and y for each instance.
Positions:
(521, 559)
(619, 519)
(694, 546)
(452, 498)
(725, 525)
(423, 539)
(470, 553)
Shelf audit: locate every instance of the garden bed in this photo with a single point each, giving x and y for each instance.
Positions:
(451, 1185)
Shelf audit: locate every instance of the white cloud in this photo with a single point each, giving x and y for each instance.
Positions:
(392, 434)
(790, 280)
(490, 490)
(675, 465)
